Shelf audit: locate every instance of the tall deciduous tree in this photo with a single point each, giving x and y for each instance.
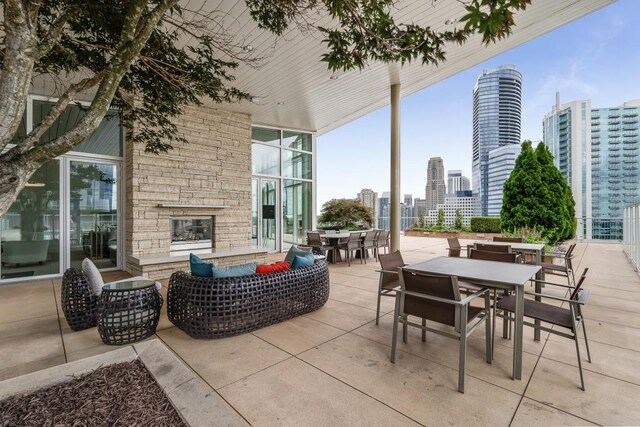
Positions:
(129, 55)
(345, 213)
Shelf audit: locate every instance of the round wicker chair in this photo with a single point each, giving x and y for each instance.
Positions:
(206, 307)
(79, 303)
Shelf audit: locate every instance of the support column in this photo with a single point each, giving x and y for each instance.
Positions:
(394, 208)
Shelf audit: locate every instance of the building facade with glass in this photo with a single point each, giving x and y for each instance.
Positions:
(71, 207)
(283, 187)
(502, 160)
(597, 150)
(497, 104)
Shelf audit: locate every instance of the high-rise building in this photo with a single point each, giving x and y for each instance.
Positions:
(421, 206)
(502, 160)
(463, 200)
(567, 134)
(435, 188)
(497, 103)
(383, 210)
(457, 182)
(369, 199)
(597, 150)
(408, 199)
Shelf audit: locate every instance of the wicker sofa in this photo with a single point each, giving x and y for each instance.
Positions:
(205, 307)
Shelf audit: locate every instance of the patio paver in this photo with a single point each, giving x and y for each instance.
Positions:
(331, 366)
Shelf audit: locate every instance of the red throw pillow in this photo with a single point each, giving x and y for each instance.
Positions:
(272, 268)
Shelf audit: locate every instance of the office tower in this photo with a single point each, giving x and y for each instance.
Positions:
(456, 182)
(407, 216)
(435, 188)
(369, 199)
(383, 210)
(463, 200)
(597, 151)
(497, 99)
(421, 206)
(408, 199)
(501, 162)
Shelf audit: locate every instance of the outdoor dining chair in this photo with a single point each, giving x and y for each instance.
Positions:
(437, 299)
(507, 239)
(369, 242)
(314, 239)
(565, 269)
(382, 241)
(353, 243)
(388, 282)
(497, 257)
(454, 246)
(488, 247)
(559, 317)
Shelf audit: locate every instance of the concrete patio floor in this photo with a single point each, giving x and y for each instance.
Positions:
(331, 367)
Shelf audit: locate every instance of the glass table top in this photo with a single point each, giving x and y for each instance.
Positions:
(128, 285)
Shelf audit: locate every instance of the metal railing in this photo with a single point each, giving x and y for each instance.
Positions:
(631, 234)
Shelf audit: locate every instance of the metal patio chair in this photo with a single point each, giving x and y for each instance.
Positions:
(507, 239)
(454, 246)
(369, 242)
(570, 318)
(388, 282)
(437, 299)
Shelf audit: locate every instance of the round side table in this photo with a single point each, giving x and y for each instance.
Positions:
(128, 311)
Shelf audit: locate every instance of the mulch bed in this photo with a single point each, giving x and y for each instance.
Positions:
(123, 394)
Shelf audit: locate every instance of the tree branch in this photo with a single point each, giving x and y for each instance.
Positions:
(51, 38)
(17, 66)
(60, 106)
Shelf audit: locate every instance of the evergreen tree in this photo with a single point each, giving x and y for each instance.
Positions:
(522, 193)
(559, 202)
(440, 221)
(537, 195)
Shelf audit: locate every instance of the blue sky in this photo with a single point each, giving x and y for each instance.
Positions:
(596, 57)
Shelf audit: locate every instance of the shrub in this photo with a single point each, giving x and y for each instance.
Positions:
(485, 224)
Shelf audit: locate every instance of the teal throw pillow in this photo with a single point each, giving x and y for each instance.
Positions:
(234, 270)
(303, 261)
(295, 250)
(198, 267)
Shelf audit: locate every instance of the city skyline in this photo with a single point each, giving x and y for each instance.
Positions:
(437, 121)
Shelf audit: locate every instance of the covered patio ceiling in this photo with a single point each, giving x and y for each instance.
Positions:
(294, 89)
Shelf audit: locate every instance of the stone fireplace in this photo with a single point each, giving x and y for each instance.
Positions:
(195, 198)
(190, 233)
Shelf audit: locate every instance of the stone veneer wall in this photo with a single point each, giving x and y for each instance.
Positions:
(214, 168)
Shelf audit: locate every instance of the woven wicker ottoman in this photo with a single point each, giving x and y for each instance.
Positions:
(205, 307)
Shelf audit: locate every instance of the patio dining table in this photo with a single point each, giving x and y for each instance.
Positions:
(490, 274)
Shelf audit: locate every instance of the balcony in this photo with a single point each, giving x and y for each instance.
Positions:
(332, 365)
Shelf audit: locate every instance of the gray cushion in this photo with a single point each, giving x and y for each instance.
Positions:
(234, 270)
(296, 250)
(93, 275)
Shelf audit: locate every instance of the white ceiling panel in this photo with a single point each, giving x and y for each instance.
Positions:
(296, 87)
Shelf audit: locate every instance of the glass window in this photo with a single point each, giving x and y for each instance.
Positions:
(296, 164)
(269, 136)
(106, 140)
(297, 211)
(31, 227)
(299, 141)
(265, 160)
(21, 132)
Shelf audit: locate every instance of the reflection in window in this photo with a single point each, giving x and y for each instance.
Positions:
(265, 160)
(107, 139)
(296, 164)
(297, 211)
(270, 136)
(297, 140)
(31, 227)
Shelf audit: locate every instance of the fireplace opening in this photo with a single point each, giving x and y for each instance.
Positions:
(191, 232)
